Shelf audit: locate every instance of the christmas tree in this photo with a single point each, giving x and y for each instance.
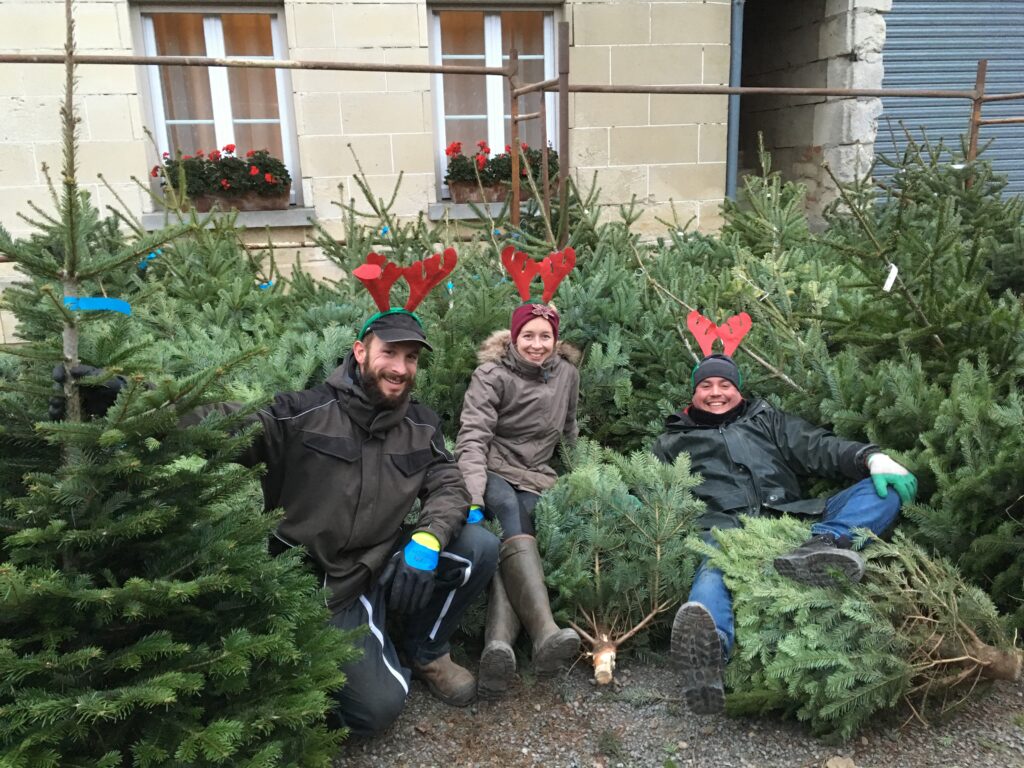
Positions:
(143, 621)
(913, 635)
(612, 532)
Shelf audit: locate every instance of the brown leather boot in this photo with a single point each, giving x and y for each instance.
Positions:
(498, 660)
(448, 681)
(523, 575)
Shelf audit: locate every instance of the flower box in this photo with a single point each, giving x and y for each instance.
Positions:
(467, 174)
(256, 182)
(247, 201)
(471, 192)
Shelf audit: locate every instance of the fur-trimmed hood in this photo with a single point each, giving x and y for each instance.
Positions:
(496, 346)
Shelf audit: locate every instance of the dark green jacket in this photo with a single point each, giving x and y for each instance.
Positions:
(755, 462)
(347, 475)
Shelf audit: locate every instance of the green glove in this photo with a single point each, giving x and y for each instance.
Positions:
(885, 472)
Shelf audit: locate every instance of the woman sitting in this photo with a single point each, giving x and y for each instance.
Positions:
(520, 405)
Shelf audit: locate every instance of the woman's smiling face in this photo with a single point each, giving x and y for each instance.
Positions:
(536, 341)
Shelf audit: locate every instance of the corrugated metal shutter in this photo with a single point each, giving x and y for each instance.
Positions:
(936, 44)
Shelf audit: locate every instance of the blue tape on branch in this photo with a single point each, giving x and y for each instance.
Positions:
(97, 304)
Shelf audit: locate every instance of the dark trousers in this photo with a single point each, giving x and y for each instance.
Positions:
(377, 684)
(512, 508)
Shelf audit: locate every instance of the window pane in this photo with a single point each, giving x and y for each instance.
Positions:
(189, 139)
(465, 96)
(522, 30)
(462, 34)
(186, 90)
(469, 132)
(259, 136)
(253, 91)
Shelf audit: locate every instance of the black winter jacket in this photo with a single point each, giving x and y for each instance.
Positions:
(754, 463)
(347, 475)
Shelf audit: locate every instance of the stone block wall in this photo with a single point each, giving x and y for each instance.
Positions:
(812, 43)
(112, 138)
(382, 119)
(668, 150)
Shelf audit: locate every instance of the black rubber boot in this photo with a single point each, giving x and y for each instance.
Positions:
(821, 563)
(523, 576)
(697, 649)
(498, 660)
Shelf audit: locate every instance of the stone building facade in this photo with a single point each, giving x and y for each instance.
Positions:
(658, 148)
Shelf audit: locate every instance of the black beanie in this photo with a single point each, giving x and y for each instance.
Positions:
(717, 365)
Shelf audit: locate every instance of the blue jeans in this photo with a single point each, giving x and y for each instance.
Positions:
(859, 506)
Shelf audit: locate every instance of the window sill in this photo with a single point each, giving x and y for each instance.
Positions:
(290, 217)
(462, 211)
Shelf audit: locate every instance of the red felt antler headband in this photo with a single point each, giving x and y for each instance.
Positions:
(379, 275)
(552, 270)
(731, 332)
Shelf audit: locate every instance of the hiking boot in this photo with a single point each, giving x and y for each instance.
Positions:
(819, 561)
(452, 684)
(697, 649)
(522, 572)
(498, 660)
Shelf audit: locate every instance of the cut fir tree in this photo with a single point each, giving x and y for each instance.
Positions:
(913, 633)
(612, 533)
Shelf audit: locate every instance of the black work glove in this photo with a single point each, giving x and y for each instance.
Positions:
(411, 575)
(96, 398)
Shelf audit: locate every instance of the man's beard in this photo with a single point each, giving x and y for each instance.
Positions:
(371, 387)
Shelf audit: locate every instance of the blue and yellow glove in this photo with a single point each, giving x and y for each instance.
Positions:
(885, 472)
(411, 573)
(475, 515)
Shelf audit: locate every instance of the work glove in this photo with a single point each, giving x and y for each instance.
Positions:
(475, 515)
(96, 398)
(885, 472)
(411, 573)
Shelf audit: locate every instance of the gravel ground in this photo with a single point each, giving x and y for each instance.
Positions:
(639, 720)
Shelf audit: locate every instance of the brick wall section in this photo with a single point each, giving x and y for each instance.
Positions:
(813, 43)
(668, 150)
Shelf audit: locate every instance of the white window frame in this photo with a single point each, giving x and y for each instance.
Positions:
(493, 57)
(223, 119)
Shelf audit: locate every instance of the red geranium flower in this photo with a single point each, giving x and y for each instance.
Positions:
(225, 183)
(229, 148)
(199, 153)
(155, 172)
(525, 146)
(483, 147)
(166, 155)
(186, 157)
(454, 148)
(508, 148)
(250, 153)
(214, 155)
(481, 161)
(254, 171)
(268, 177)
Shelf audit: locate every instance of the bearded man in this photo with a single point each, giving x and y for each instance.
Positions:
(347, 460)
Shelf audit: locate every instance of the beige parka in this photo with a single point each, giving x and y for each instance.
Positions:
(515, 414)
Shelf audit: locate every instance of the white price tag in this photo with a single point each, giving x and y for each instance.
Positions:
(893, 271)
